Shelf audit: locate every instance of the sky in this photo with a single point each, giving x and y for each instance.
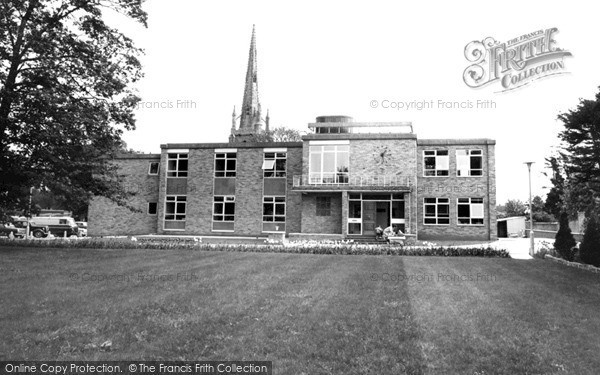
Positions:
(338, 58)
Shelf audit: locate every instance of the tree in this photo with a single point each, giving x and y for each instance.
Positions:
(65, 97)
(589, 250)
(564, 241)
(581, 144)
(515, 207)
(554, 204)
(278, 134)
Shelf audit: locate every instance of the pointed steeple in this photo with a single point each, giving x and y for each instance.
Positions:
(251, 121)
(251, 104)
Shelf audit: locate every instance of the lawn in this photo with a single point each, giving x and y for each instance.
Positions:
(309, 314)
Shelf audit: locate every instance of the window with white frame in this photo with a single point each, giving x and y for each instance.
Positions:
(175, 207)
(224, 208)
(329, 164)
(153, 168)
(225, 164)
(469, 163)
(436, 211)
(436, 163)
(177, 165)
(274, 209)
(470, 211)
(274, 164)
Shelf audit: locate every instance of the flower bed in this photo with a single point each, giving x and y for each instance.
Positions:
(300, 247)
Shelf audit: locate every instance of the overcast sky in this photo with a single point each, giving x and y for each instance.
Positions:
(324, 58)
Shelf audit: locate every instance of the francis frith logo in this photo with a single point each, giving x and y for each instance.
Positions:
(514, 63)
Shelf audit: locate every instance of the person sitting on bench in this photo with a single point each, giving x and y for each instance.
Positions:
(388, 232)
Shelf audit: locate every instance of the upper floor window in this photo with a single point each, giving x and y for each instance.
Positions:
(329, 164)
(177, 165)
(274, 164)
(469, 163)
(153, 168)
(225, 164)
(470, 211)
(436, 163)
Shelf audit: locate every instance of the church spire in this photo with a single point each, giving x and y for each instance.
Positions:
(251, 121)
(251, 105)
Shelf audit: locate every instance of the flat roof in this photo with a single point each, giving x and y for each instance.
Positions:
(456, 141)
(231, 145)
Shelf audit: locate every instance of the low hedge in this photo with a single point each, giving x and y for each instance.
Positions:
(333, 248)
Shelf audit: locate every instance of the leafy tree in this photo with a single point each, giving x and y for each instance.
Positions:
(515, 207)
(589, 250)
(564, 241)
(554, 204)
(65, 97)
(278, 134)
(581, 143)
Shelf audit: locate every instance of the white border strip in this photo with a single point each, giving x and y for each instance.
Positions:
(225, 149)
(275, 149)
(345, 142)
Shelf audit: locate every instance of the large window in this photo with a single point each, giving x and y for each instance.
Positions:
(329, 164)
(274, 164)
(436, 163)
(175, 207)
(470, 211)
(223, 212)
(177, 165)
(436, 211)
(323, 206)
(274, 213)
(469, 163)
(225, 164)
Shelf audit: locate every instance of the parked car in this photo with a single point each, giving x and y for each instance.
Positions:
(36, 230)
(7, 228)
(57, 225)
(82, 228)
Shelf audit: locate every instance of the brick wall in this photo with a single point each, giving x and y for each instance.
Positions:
(106, 218)
(311, 223)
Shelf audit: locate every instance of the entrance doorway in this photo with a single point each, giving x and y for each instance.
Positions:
(368, 211)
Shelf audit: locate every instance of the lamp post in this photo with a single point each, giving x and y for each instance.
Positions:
(531, 248)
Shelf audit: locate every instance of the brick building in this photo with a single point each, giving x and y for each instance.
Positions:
(342, 180)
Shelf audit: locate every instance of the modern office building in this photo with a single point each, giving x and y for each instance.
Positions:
(342, 180)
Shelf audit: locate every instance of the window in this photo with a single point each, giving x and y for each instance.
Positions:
(329, 164)
(436, 163)
(175, 207)
(224, 208)
(152, 208)
(274, 209)
(153, 168)
(274, 164)
(469, 163)
(225, 164)
(470, 211)
(177, 165)
(436, 211)
(323, 206)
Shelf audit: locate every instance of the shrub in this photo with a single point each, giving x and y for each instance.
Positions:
(565, 242)
(589, 249)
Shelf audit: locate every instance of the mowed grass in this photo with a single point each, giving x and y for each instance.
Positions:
(309, 314)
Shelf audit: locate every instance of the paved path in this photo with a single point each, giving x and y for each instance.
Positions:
(518, 248)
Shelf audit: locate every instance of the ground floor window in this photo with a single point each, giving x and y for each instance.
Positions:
(175, 211)
(366, 211)
(223, 212)
(436, 211)
(470, 211)
(152, 208)
(273, 214)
